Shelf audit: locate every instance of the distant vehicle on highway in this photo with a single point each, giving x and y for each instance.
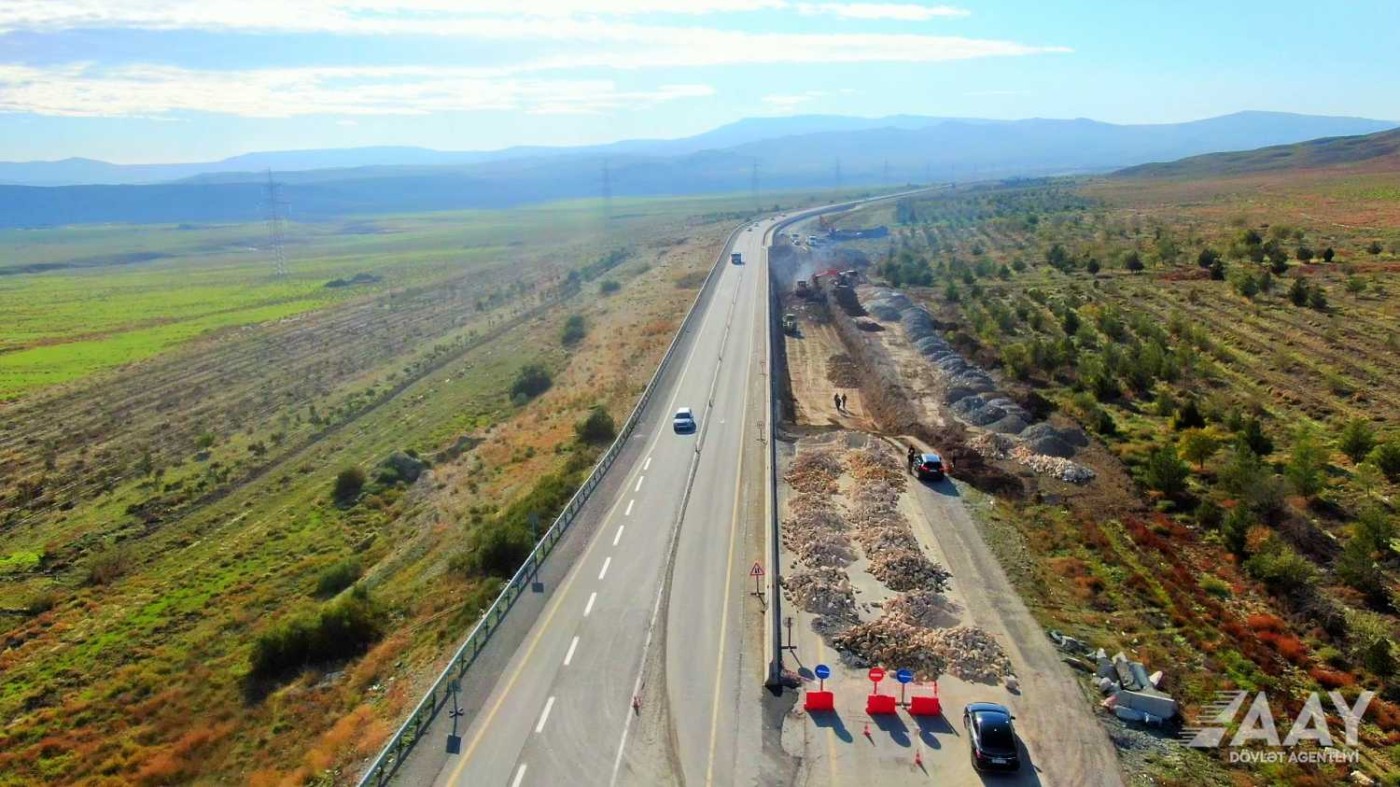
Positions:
(929, 467)
(992, 736)
(684, 421)
(736, 258)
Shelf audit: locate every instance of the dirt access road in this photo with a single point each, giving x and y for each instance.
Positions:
(1064, 744)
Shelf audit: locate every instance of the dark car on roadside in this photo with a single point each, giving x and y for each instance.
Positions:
(992, 736)
(929, 467)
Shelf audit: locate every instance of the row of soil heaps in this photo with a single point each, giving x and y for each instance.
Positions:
(918, 628)
(972, 396)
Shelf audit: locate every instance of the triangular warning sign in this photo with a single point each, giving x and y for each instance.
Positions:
(756, 571)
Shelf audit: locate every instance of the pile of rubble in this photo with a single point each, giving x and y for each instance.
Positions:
(888, 541)
(890, 640)
(814, 472)
(1133, 694)
(992, 445)
(999, 446)
(1054, 466)
(871, 464)
(823, 591)
(817, 535)
(926, 608)
(908, 569)
(971, 653)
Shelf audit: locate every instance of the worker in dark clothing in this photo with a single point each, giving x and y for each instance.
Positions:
(843, 401)
(836, 400)
(913, 455)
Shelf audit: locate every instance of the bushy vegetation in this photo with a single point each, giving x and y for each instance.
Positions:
(349, 482)
(339, 576)
(531, 381)
(597, 428)
(339, 630)
(574, 330)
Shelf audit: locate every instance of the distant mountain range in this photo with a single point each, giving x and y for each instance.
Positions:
(1327, 152)
(801, 152)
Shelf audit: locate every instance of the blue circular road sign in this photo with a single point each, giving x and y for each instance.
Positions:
(905, 675)
(822, 671)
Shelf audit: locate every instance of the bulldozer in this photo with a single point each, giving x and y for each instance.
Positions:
(790, 324)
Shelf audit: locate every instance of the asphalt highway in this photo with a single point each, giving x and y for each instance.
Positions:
(662, 580)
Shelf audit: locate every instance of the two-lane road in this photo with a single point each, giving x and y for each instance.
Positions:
(562, 710)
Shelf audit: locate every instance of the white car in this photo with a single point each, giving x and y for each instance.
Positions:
(684, 421)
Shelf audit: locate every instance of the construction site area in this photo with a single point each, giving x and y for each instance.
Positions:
(887, 575)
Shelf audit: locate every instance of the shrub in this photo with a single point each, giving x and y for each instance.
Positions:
(499, 550)
(1165, 472)
(1217, 587)
(1198, 446)
(1386, 458)
(1357, 567)
(598, 427)
(1357, 439)
(531, 381)
(338, 577)
(574, 330)
(1280, 568)
(1252, 435)
(109, 566)
(1133, 262)
(1374, 248)
(608, 286)
(1188, 417)
(1317, 299)
(1306, 464)
(1235, 530)
(349, 482)
(1298, 293)
(341, 629)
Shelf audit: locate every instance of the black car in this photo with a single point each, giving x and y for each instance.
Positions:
(929, 467)
(992, 737)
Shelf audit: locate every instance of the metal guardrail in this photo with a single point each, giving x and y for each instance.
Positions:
(381, 771)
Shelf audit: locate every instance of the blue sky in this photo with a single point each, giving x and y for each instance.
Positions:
(171, 80)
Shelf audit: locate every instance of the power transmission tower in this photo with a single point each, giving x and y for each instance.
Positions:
(753, 184)
(275, 206)
(607, 190)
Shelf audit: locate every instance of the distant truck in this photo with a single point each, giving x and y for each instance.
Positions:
(736, 259)
(790, 324)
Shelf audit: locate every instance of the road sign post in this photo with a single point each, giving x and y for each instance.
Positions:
(876, 675)
(822, 672)
(905, 676)
(757, 573)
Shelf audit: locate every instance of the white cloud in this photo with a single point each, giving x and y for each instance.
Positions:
(153, 91)
(429, 17)
(904, 12)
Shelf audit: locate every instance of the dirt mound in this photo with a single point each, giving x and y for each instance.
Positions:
(842, 371)
(1045, 439)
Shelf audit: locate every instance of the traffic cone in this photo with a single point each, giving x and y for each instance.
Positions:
(867, 729)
